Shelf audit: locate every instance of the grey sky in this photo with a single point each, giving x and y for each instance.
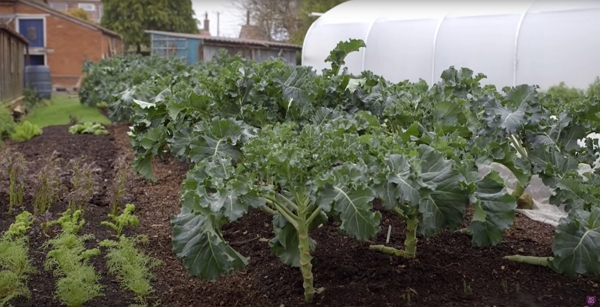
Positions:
(230, 20)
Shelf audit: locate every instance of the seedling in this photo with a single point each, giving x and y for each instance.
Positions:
(48, 187)
(119, 185)
(15, 166)
(131, 266)
(84, 181)
(69, 259)
(15, 264)
(121, 221)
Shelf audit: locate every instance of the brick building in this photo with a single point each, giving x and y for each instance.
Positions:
(59, 40)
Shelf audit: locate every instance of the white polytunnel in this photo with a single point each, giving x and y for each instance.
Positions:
(541, 42)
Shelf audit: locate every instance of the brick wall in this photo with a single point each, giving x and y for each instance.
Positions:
(68, 44)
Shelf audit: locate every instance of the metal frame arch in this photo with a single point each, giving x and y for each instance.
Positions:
(434, 48)
(516, 49)
(367, 35)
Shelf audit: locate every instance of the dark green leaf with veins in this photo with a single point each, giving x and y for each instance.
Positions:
(577, 243)
(494, 210)
(443, 197)
(198, 241)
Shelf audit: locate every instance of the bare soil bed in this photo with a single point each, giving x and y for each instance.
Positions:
(448, 270)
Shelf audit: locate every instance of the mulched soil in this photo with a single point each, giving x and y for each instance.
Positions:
(448, 271)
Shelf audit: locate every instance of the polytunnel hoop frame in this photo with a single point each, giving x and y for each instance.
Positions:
(364, 55)
(435, 36)
(516, 49)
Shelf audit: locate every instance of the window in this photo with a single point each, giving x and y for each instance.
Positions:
(59, 6)
(89, 7)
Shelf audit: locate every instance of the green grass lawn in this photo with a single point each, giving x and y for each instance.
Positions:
(57, 112)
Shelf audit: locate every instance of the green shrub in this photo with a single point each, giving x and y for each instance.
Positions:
(25, 132)
(32, 99)
(564, 93)
(7, 124)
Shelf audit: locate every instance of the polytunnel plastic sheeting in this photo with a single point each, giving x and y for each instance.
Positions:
(541, 42)
(559, 46)
(347, 23)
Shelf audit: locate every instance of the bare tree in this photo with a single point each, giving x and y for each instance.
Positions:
(277, 19)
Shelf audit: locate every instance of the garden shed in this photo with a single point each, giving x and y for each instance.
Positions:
(541, 42)
(195, 48)
(12, 66)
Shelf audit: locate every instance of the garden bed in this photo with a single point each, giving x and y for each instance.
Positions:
(448, 271)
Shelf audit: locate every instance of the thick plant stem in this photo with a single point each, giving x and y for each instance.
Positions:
(387, 250)
(541, 261)
(410, 243)
(305, 258)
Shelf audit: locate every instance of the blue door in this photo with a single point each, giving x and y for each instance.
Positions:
(33, 30)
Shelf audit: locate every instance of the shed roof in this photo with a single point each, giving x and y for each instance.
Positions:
(87, 24)
(4, 28)
(227, 40)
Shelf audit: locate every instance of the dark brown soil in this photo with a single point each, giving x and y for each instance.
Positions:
(448, 271)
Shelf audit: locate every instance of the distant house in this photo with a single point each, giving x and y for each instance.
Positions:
(93, 8)
(59, 40)
(12, 68)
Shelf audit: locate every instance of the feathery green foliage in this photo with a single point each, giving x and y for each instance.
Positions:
(119, 222)
(14, 260)
(131, 266)
(78, 283)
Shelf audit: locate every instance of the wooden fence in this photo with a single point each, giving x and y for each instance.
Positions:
(12, 66)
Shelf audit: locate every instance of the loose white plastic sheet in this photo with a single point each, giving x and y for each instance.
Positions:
(542, 210)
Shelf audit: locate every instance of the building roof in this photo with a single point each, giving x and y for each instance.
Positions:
(7, 29)
(87, 24)
(227, 40)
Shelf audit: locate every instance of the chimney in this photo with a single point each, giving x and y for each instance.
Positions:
(248, 17)
(206, 22)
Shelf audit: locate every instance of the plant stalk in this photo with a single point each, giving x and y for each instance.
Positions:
(313, 216)
(284, 211)
(541, 261)
(410, 243)
(268, 210)
(304, 248)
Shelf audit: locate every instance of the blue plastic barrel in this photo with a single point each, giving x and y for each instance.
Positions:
(38, 77)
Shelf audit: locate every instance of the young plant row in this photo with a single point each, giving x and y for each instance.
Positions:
(68, 259)
(308, 148)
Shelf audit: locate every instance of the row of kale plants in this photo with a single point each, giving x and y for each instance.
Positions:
(308, 148)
